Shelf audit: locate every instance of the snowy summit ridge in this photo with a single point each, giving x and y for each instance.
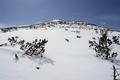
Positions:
(55, 22)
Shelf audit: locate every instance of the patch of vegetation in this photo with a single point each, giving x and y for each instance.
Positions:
(36, 47)
(4, 30)
(78, 36)
(13, 40)
(102, 47)
(67, 40)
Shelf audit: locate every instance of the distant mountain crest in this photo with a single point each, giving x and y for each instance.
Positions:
(58, 23)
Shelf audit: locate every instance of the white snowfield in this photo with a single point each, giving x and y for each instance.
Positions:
(63, 60)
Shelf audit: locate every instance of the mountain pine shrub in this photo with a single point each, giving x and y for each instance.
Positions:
(102, 47)
(36, 47)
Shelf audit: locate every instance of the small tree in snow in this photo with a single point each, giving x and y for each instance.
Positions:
(102, 47)
(37, 47)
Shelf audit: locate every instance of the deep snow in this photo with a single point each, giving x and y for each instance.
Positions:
(63, 60)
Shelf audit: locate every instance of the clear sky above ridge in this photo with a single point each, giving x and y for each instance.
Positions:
(101, 12)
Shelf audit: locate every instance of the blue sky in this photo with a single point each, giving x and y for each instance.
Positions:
(101, 12)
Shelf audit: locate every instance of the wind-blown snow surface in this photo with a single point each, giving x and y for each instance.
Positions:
(63, 60)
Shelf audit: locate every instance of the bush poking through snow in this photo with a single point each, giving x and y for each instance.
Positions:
(9, 29)
(13, 40)
(116, 40)
(78, 36)
(103, 46)
(16, 57)
(67, 40)
(5, 44)
(37, 67)
(37, 47)
(115, 73)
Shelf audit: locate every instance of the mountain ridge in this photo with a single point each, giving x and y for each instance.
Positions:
(59, 23)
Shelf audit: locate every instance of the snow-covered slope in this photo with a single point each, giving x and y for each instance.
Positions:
(63, 60)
